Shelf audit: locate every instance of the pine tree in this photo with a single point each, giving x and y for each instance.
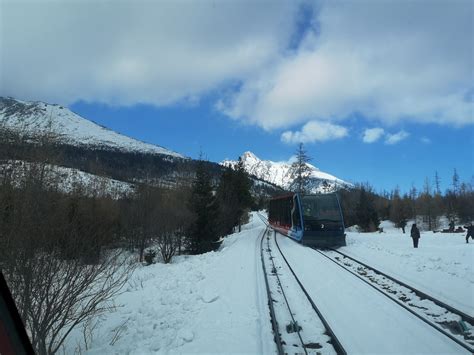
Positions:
(437, 184)
(367, 217)
(455, 182)
(203, 236)
(300, 172)
(234, 198)
(242, 189)
(398, 211)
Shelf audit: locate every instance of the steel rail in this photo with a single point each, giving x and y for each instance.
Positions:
(456, 340)
(285, 298)
(276, 333)
(465, 317)
(334, 340)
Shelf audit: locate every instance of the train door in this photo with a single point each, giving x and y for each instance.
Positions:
(296, 223)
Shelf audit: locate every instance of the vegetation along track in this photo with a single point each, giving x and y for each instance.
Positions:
(451, 322)
(298, 325)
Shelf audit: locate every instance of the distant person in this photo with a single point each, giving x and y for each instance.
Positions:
(415, 235)
(470, 232)
(403, 224)
(451, 226)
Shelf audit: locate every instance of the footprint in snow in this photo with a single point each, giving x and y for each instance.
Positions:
(186, 335)
(209, 297)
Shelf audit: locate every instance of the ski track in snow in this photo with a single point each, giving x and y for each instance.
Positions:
(216, 302)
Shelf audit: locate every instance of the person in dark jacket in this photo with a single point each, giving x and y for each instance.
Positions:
(415, 235)
(470, 232)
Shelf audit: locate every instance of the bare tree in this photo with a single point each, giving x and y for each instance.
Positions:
(56, 295)
(55, 254)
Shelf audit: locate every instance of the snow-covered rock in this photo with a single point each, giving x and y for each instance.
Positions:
(279, 173)
(36, 118)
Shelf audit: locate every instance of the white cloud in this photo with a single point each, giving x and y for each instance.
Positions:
(128, 52)
(314, 131)
(425, 140)
(388, 61)
(372, 135)
(395, 138)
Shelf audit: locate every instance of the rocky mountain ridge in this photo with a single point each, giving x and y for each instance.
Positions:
(279, 173)
(34, 118)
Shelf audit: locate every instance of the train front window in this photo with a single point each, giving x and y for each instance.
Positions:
(321, 208)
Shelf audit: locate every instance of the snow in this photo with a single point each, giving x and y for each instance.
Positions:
(364, 320)
(205, 303)
(217, 303)
(34, 118)
(66, 179)
(442, 265)
(278, 173)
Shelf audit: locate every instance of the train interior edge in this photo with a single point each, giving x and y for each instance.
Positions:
(314, 220)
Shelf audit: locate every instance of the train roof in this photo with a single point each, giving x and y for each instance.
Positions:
(279, 197)
(291, 194)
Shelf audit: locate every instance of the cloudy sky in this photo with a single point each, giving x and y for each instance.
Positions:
(379, 91)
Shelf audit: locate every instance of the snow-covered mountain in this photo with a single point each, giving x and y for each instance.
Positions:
(66, 179)
(35, 118)
(279, 173)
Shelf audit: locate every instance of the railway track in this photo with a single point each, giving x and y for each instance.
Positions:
(298, 325)
(446, 319)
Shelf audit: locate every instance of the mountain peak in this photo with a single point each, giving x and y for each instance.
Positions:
(35, 118)
(279, 173)
(249, 156)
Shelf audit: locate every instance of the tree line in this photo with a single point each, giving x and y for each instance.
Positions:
(66, 254)
(364, 207)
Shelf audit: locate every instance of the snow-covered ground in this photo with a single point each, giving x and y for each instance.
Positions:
(198, 304)
(216, 302)
(441, 266)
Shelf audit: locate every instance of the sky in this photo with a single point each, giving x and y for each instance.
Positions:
(378, 91)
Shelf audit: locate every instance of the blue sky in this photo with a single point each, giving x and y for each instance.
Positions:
(190, 129)
(379, 91)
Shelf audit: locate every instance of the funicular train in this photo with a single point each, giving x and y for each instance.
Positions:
(314, 220)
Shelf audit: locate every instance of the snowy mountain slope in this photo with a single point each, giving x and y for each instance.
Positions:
(67, 180)
(279, 173)
(34, 118)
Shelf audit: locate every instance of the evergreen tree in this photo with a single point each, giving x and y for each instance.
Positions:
(427, 206)
(300, 172)
(228, 202)
(234, 198)
(367, 217)
(437, 184)
(455, 182)
(203, 236)
(242, 190)
(398, 210)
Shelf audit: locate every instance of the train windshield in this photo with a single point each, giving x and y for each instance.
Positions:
(321, 207)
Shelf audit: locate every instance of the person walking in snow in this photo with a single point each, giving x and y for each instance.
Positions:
(415, 235)
(470, 232)
(403, 224)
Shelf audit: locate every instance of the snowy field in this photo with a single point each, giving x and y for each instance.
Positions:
(216, 302)
(442, 265)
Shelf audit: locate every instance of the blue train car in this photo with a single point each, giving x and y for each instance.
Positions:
(313, 220)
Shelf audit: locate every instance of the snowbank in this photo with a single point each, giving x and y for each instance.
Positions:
(203, 303)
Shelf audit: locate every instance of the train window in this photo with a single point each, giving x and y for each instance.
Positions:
(321, 207)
